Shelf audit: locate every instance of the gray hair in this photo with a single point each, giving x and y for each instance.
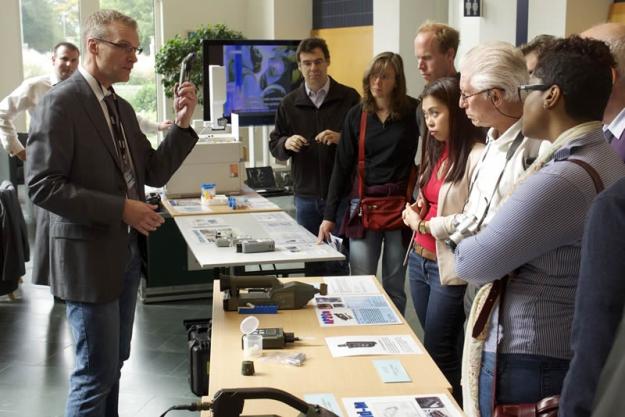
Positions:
(96, 25)
(495, 65)
(617, 47)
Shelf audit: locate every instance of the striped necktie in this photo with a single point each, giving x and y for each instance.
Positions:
(121, 146)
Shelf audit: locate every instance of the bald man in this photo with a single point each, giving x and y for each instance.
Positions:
(614, 115)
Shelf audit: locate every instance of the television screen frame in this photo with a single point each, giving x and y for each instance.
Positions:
(213, 54)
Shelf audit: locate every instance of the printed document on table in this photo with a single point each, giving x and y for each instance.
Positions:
(425, 405)
(395, 344)
(354, 310)
(353, 284)
(207, 229)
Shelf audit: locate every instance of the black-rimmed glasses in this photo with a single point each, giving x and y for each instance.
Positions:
(128, 48)
(525, 89)
(465, 97)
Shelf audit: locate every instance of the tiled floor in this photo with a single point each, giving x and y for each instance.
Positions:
(36, 356)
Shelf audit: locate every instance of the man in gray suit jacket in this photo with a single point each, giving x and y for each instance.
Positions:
(87, 163)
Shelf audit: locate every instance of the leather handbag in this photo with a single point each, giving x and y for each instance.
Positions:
(547, 407)
(379, 212)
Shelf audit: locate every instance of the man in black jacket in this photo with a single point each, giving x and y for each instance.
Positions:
(308, 127)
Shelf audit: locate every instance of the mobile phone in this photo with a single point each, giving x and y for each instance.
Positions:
(185, 68)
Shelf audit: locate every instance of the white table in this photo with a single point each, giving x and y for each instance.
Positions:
(293, 242)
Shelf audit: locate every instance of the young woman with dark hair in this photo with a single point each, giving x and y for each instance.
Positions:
(451, 151)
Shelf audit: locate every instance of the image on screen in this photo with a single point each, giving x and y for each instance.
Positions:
(258, 77)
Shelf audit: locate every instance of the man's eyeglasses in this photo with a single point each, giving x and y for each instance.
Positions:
(128, 48)
(525, 89)
(309, 64)
(465, 97)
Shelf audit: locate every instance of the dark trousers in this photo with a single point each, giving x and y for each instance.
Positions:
(441, 314)
(309, 213)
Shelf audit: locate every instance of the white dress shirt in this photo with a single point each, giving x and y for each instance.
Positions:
(23, 98)
(492, 164)
(317, 97)
(617, 126)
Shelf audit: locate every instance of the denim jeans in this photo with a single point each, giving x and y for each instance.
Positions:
(102, 334)
(363, 260)
(309, 213)
(521, 378)
(441, 313)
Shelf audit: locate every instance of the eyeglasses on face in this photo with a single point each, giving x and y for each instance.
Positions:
(126, 47)
(465, 97)
(309, 64)
(525, 89)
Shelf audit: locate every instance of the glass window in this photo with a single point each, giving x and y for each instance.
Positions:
(44, 24)
(140, 90)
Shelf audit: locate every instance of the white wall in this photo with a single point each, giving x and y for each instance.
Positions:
(395, 23)
(498, 22)
(260, 19)
(546, 17)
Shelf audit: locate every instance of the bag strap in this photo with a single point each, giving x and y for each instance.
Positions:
(361, 154)
(487, 308)
(596, 179)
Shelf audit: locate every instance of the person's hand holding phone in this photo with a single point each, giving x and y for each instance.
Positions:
(185, 100)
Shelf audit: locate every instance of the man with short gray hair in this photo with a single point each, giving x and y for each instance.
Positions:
(87, 164)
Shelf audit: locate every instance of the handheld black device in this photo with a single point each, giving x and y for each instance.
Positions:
(185, 68)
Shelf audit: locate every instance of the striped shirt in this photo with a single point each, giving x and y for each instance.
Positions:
(537, 233)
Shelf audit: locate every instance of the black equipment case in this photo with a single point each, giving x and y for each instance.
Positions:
(199, 344)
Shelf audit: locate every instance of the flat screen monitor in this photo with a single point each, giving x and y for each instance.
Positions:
(259, 73)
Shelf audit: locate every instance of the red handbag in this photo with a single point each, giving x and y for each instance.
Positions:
(379, 212)
(547, 407)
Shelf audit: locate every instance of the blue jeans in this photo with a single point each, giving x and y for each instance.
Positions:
(441, 313)
(363, 260)
(102, 334)
(309, 213)
(520, 379)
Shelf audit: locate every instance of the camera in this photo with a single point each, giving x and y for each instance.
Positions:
(465, 225)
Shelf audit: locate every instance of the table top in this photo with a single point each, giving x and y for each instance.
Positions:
(293, 242)
(249, 202)
(321, 373)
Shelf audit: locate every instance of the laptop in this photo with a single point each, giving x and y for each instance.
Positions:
(263, 181)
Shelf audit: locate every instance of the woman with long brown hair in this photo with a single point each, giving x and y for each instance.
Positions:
(390, 146)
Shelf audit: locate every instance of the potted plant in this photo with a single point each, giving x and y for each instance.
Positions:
(168, 58)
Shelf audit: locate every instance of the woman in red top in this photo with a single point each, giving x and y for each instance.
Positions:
(451, 150)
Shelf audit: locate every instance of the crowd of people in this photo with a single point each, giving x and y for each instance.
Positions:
(497, 168)
(514, 148)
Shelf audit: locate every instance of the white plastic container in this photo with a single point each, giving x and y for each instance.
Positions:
(252, 343)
